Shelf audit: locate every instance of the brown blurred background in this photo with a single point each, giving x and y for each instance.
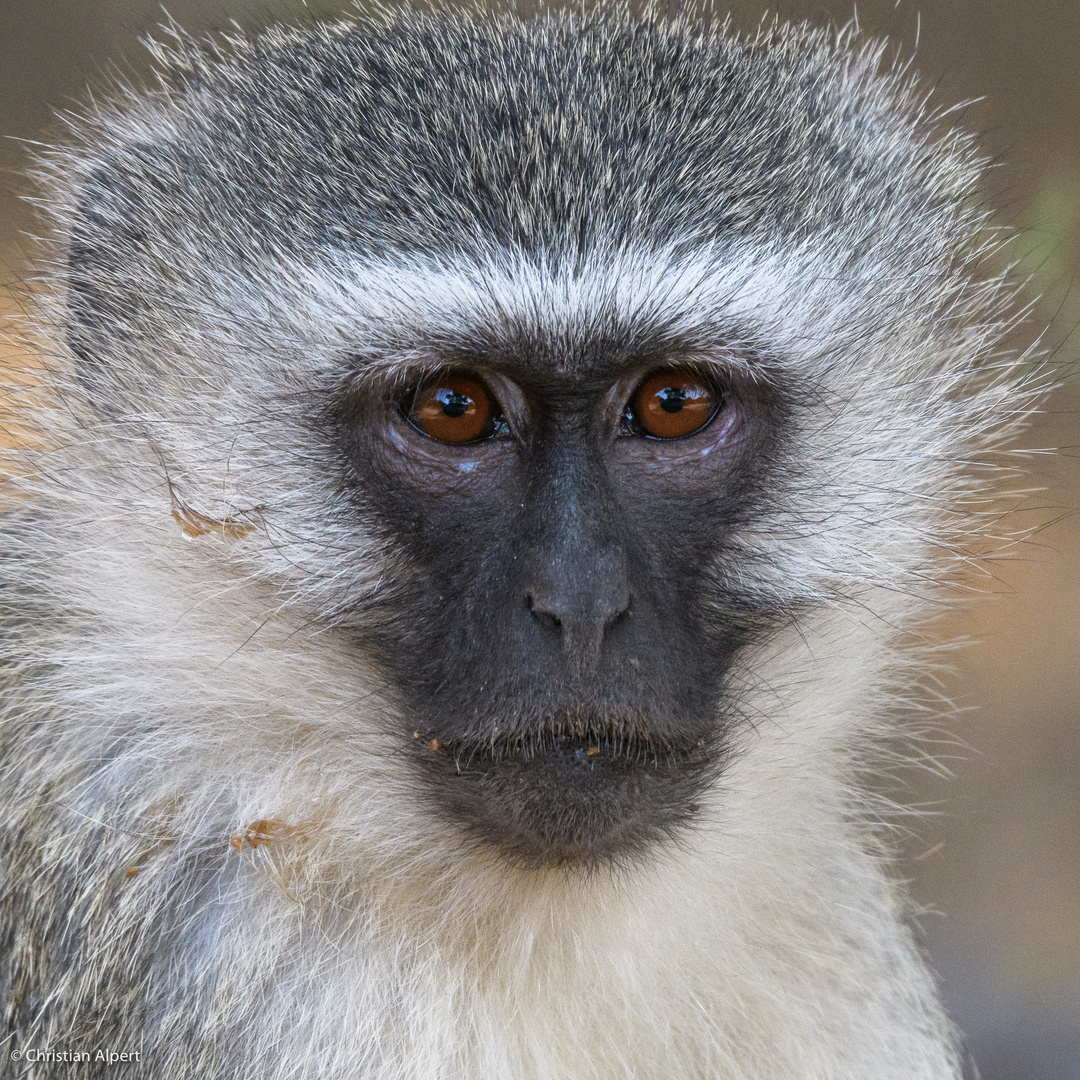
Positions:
(997, 864)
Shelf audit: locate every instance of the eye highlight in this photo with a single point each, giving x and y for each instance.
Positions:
(453, 408)
(673, 403)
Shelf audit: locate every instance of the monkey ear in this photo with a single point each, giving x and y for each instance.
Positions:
(107, 246)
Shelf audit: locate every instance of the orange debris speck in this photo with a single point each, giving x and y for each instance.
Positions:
(193, 524)
(273, 830)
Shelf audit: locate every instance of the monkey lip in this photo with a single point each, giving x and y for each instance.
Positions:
(562, 799)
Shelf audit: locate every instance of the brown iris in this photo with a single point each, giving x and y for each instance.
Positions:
(674, 403)
(453, 408)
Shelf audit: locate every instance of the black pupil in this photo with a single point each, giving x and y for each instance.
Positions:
(453, 403)
(671, 398)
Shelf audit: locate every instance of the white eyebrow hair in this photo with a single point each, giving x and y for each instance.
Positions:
(399, 308)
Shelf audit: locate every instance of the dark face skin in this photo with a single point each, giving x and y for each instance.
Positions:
(569, 623)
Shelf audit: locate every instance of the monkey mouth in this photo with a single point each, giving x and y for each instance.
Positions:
(570, 797)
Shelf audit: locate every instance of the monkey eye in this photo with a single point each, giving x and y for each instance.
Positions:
(453, 408)
(672, 403)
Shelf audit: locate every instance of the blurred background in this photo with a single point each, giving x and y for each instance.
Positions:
(996, 861)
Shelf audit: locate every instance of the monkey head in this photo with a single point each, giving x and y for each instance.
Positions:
(552, 369)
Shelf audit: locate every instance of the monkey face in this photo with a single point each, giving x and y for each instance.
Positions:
(569, 622)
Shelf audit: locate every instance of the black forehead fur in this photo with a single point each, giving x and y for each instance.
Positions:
(553, 137)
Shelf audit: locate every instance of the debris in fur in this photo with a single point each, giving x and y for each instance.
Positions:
(193, 524)
(271, 831)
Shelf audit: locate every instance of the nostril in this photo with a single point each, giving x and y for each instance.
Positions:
(543, 614)
(619, 616)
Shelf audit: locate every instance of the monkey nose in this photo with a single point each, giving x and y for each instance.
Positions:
(579, 618)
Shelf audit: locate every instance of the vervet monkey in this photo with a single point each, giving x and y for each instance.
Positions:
(494, 473)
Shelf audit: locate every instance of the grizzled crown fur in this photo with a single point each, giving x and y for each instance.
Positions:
(213, 850)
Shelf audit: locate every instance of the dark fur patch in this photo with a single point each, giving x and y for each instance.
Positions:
(565, 591)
